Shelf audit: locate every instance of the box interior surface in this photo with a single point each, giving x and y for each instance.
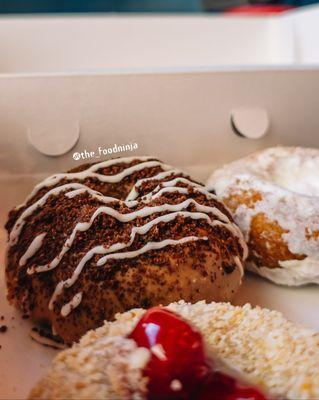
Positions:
(180, 117)
(23, 361)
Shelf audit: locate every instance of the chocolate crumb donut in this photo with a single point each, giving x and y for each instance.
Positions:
(123, 233)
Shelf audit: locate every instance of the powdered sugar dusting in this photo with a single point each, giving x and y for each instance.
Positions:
(288, 181)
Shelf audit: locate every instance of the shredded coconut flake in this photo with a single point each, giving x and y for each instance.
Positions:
(176, 385)
(259, 345)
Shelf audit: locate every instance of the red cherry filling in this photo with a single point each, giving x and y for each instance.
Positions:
(220, 386)
(177, 353)
(178, 368)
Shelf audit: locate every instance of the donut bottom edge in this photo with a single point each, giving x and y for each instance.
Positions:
(290, 273)
(177, 281)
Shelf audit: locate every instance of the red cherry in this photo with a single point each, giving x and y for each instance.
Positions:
(220, 386)
(178, 360)
(178, 368)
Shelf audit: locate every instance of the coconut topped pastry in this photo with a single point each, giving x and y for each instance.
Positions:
(123, 233)
(273, 195)
(189, 351)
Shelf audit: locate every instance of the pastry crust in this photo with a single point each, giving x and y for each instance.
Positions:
(273, 196)
(124, 233)
(264, 349)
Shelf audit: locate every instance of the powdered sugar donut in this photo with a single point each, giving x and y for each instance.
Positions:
(274, 197)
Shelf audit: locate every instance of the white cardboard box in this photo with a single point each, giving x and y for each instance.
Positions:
(117, 79)
(168, 83)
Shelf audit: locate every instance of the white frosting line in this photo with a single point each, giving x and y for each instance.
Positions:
(177, 180)
(119, 246)
(71, 305)
(15, 232)
(70, 281)
(171, 183)
(146, 198)
(154, 195)
(142, 230)
(34, 246)
(168, 184)
(77, 192)
(219, 214)
(150, 246)
(134, 193)
(144, 212)
(99, 196)
(171, 189)
(239, 265)
(81, 175)
(90, 172)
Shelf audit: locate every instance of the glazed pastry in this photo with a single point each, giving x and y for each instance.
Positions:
(273, 196)
(128, 232)
(203, 351)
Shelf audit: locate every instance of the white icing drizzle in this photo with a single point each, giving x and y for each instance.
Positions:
(17, 228)
(71, 305)
(154, 195)
(219, 214)
(239, 265)
(147, 198)
(34, 246)
(130, 254)
(148, 247)
(171, 183)
(144, 212)
(170, 189)
(77, 192)
(141, 230)
(90, 172)
(99, 196)
(157, 192)
(70, 281)
(134, 193)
